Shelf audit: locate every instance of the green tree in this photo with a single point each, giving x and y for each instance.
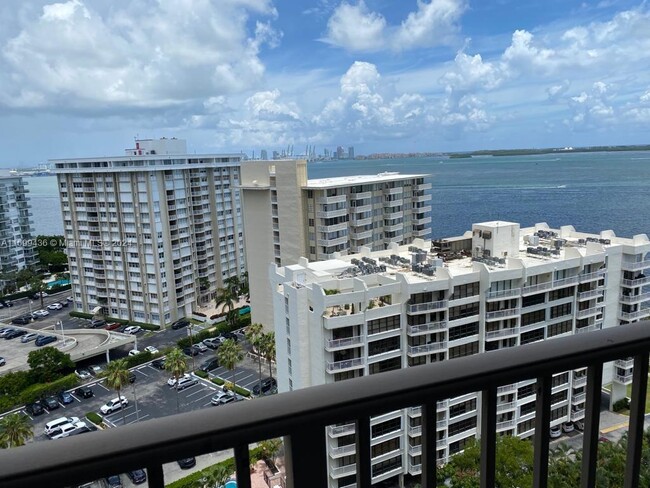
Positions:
(216, 478)
(15, 430)
(230, 354)
(269, 448)
(176, 365)
(267, 348)
(233, 285)
(37, 286)
(225, 299)
(244, 289)
(117, 377)
(48, 364)
(254, 334)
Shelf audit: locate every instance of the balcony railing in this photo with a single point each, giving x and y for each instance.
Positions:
(498, 294)
(425, 307)
(500, 314)
(428, 327)
(303, 415)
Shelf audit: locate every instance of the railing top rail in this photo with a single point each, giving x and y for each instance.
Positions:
(166, 439)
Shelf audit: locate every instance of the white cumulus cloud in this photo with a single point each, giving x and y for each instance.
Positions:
(355, 28)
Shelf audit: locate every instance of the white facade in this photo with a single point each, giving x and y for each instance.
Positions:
(357, 315)
(288, 217)
(16, 247)
(151, 236)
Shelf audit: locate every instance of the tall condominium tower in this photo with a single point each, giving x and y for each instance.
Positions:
(498, 286)
(287, 216)
(154, 233)
(16, 246)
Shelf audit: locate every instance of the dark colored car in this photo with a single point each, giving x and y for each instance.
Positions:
(51, 403)
(158, 363)
(180, 323)
(84, 392)
(113, 481)
(6, 304)
(230, 335)
(35, 409)
(187, 463)
(64, 303)
(65, 397)
(137, 477)
(97, 323)
(42, 340)
(22, 320)
(268, 386)
(15, 333)
(210, 364)
(191, 351)
(131, 377)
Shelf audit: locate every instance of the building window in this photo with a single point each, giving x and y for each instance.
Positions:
(464, 291)
(561, 310)
(461, 331)
(387, 365)
(463, 350)
(386, 427)
(461, 426)
(533, 317)
(463, 311)
(384, 324)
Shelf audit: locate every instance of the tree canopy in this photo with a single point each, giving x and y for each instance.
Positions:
(48, 364)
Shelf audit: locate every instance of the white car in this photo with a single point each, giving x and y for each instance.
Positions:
(186, 382)
(66, 429)
(53, 425)
(41, 313)
(201, 347)
(132, 329)
(213, 342)
(134, 352)
(55, 306)
(555, 432)
(151, 350)
(83, 374)
(172, 381)
(114, 405)
(29, 337)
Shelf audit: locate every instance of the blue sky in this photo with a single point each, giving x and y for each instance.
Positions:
(82, 78)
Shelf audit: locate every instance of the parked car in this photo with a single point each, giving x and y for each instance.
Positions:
(216, 399)
(113, 326)
(229, 398)
(132, 329)
(114, 405)
(83, 374)
(34, 409)
(66, 429)
(42, 340)
(131, 377)
(50, 402)
(191, 351)
(41, 313)
(134, 352)
(151, 350)
(83, 430)
(65, 397)
(6, 304)
(55, 424)
(84, 392)
(95, 370)
(5, 331)
(15, 333)
(269, 385)
(2, 361)
(213, 342)
(555, 432)
(231, 335)
(200, 346)
(29, 337)
(579, 424)
(210, 364)
(54, 306)
(137, 477)
(172, 381)
(186, 383)
(22, 320)
(113, 481)
(97, 323)
(158, 363)
(38, 295)
(568, 427)
(187, 463)
(69, 299)
(180, 323)
(63, 304)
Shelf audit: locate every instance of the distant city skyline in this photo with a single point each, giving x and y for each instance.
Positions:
(396, 77)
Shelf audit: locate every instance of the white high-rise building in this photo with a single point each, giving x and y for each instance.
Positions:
(497, 286)
(153, 233)
(16, 246)
(288, 216)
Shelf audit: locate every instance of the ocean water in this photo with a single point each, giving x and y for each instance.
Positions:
(591, 191)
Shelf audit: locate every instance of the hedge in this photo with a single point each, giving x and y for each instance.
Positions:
(196, 338)
(238, 389)
(191, 480)
(144, 325)
(201, 374)
(34, 392)
(82, 315)
(138, 359)
(95, 418)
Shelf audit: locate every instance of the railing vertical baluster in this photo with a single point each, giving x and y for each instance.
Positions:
(592, 421)
(155, 476)
(637, 413)
(429, 443)
(364, 474)
(242, 464)
(306, 457)
(488, 436)
(542, 434)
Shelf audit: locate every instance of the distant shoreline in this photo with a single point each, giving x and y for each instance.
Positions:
(532, 152)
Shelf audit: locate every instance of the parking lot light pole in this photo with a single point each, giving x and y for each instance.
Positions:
(135, 398)
(60, 323)
(189, 331)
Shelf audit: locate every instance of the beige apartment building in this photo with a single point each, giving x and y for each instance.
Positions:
(151, 234)
(288, 216)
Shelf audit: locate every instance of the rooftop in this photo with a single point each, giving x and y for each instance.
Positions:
(360, 179)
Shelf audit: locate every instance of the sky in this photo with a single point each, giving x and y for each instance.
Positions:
(84, 78)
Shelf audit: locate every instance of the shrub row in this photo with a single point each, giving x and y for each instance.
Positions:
(192, 480)
(138, 359)
(201, 374)
(622, 404)
(95, 418)
(34, 392)
(89, 316)
(238, 389)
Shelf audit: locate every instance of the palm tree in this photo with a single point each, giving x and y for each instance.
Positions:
(267, 349)
(233, 284)
(225, 299)
(15, 429)
(214, 479)
(243, 289)
(230, 354)
(176, 365)
(117, 377)
(37, 286)
(254, 334)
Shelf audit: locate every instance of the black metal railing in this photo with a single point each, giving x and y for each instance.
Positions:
(302, 416)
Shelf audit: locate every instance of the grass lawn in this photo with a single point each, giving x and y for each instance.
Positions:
(647, 396)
